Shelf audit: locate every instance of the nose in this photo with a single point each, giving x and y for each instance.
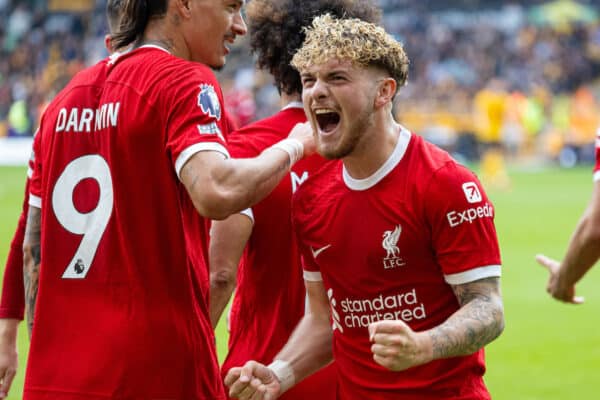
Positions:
(319, 89)
(239, 25)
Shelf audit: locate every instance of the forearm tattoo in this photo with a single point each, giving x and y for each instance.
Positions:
(31, 262)
(479, 320)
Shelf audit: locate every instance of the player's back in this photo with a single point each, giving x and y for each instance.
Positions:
(120, 310)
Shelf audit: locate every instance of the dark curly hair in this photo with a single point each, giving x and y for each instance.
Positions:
(277, 31)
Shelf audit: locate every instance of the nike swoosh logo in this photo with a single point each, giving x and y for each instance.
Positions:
(316, 253)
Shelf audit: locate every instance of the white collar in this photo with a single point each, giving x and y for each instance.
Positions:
(385, 169)
(293, 104)
(154, 46)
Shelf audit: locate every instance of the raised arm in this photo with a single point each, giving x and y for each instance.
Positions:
(582, 253)
(31, 262)
(308, 350)
(220, 187)
(228, 239)
(478, 321)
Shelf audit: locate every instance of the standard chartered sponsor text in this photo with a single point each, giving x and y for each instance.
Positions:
(359, 313)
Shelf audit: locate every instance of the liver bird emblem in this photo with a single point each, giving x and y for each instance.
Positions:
(390, 239)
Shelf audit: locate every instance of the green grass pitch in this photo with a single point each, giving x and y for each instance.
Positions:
(548, 350)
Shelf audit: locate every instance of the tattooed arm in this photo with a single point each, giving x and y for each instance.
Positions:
(479, 320)
(31, 262)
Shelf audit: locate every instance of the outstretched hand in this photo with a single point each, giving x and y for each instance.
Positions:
(555, 286)
(252, 381)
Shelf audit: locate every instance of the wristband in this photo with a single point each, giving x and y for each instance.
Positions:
(284, 373)
(293, 147)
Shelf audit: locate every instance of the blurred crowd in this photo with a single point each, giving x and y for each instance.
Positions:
(519, 75)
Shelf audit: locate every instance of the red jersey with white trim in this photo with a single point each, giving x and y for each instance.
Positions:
(12, 303)
(121, 309)
(597, 166)
(389, 247)
(270, 296)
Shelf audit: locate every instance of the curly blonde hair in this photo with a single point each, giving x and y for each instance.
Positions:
(360, 42)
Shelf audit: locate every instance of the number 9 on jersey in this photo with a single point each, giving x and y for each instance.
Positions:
(90, 225)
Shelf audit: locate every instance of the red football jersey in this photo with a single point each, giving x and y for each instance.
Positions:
(388, 247)
(12, 303)
(270, 296)
(121, 309)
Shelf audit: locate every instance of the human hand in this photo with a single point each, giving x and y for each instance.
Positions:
(9, 359)
(555, 286)
(252, 381)
(397, 347)
(303, 132)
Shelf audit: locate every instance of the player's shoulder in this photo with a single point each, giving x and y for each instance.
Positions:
(322, 184)
(448, 178)
(93, 76)
(435, 162)
(151, 66)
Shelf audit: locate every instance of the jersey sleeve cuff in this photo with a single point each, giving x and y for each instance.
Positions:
(597, 176)
(488, 271)
(248, 213)
(312, 276)
(186, 154)
(35, 201)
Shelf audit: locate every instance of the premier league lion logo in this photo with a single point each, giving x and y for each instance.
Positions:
(208, 101)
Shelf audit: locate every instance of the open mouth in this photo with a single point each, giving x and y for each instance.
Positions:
(327, 119)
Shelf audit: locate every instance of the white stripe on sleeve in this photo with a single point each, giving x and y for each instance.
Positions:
(35, 201)
(312, 276)
(474, 274)
(248, 213)
(196, 148)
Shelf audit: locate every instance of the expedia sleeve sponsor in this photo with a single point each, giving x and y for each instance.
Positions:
(455, 218)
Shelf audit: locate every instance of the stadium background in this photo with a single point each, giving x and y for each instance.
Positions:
(511, 88)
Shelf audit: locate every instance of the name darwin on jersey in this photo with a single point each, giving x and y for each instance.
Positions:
(359, 313)
(88, 119)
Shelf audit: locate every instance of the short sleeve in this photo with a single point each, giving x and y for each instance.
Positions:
(196, 120)
(461, 218)
(312, 271)
(34, 171)
(12, 301)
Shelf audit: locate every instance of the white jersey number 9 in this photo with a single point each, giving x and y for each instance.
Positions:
(90, 225)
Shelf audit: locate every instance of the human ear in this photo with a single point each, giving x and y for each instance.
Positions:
(183, 7)
(386, 89)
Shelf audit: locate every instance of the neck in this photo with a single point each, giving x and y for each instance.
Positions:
(290, 98)
(158, 33)
(374, 149)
